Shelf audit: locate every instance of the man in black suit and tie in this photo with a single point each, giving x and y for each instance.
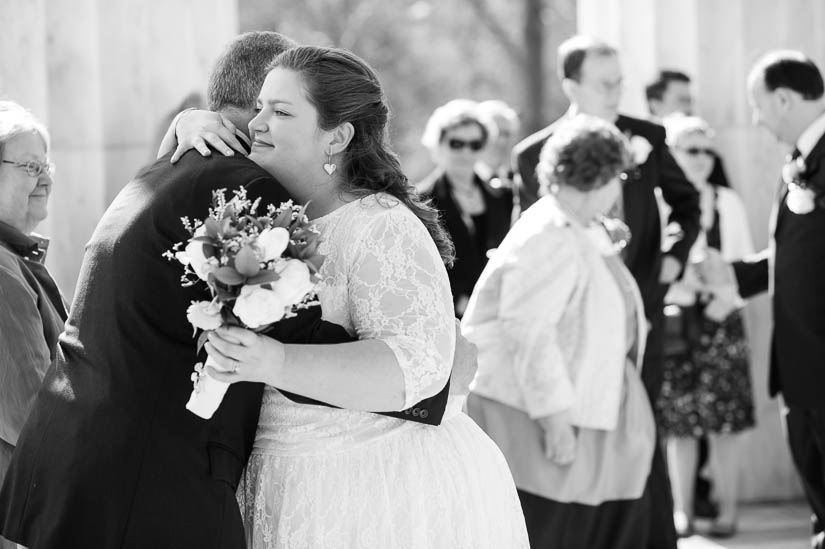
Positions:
(110, 457)
(592, 79)
(786, 94)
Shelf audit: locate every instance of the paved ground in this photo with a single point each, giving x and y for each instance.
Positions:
(761, 526)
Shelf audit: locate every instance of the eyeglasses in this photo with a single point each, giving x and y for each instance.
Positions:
(458, 144)
(696, 151)
(33, 167)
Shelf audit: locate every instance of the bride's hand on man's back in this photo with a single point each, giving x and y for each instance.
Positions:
(196, 129)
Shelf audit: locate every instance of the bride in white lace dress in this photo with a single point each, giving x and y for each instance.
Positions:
(325, 477)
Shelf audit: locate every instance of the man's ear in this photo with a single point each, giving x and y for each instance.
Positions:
(570, 88)
(341, 138)
(785, 98)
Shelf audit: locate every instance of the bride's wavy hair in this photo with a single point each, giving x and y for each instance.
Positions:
(344, 88)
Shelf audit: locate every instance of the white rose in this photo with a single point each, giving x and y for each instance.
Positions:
(641, 149)
(273, 242)
(193, 256)
(295, 281)
(800, 200)
(205, 315)
(256, 306)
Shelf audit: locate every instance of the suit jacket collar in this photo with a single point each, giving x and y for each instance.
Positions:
(811, 136)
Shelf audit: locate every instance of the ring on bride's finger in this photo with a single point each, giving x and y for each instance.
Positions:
(235, 368)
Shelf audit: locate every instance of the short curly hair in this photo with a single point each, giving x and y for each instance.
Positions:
(585, 153)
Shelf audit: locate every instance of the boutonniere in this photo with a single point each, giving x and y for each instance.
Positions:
(801, 195)
(641, 149)
(609, 235)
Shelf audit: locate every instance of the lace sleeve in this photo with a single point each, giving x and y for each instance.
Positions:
(399, 293)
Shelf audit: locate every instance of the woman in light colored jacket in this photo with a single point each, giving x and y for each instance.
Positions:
(559, 324)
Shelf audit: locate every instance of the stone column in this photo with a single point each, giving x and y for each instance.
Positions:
(75, 117)
(23, 72)
(103, 76)
(716, 43)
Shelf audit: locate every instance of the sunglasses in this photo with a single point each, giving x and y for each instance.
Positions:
(458, 144)
(696, 151)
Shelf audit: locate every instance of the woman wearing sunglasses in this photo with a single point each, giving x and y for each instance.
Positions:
(476, 216)
(707, 388)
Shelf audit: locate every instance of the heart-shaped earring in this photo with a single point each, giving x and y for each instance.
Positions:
(329, 167)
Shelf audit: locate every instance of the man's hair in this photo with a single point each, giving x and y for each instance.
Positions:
(573, 51)
(790, 69)
(240, 70)
(16, 120)
(656, 89)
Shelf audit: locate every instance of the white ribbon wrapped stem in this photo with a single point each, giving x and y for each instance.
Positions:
(208, 393)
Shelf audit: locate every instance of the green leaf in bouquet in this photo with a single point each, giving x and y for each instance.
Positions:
(212, 228)
(225, 293)
(263, 277)
(315, 262)
(228, 211)
(283, 219)
(309, 249)
(229, 276)
(209, 251)
(246, 262)
(202, 340)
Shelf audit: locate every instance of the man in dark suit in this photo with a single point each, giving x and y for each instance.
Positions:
(591, 79)
(786, 93)
(109, 456)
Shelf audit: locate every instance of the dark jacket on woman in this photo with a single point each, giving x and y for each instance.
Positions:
(474, 236)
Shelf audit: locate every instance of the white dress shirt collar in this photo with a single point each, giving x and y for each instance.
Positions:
(810, 137)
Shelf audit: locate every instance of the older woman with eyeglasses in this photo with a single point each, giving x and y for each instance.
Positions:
(476, 216)
(32, 311)
(707, 387)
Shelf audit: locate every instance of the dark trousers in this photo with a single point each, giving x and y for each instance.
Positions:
(662, 533)
(806, 438)
(611, 525)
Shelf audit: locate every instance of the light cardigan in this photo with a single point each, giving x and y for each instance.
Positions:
(549, 320)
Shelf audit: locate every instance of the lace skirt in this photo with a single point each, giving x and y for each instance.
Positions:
(418, 487)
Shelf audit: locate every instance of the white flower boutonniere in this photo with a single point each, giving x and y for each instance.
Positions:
(641, 148)
(801, 197)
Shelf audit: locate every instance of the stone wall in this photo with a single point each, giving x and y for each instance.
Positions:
(103, 75)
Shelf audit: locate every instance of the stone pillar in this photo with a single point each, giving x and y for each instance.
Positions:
(716, 43)
(103, 76)
(75, 117)
(23, 72)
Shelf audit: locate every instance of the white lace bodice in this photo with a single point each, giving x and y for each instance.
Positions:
(382, 279)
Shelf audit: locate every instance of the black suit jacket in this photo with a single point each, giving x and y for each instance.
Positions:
(797, 366)
(109, 456)
(470, 248)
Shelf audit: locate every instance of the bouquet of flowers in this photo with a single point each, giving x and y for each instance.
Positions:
(259, 268)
